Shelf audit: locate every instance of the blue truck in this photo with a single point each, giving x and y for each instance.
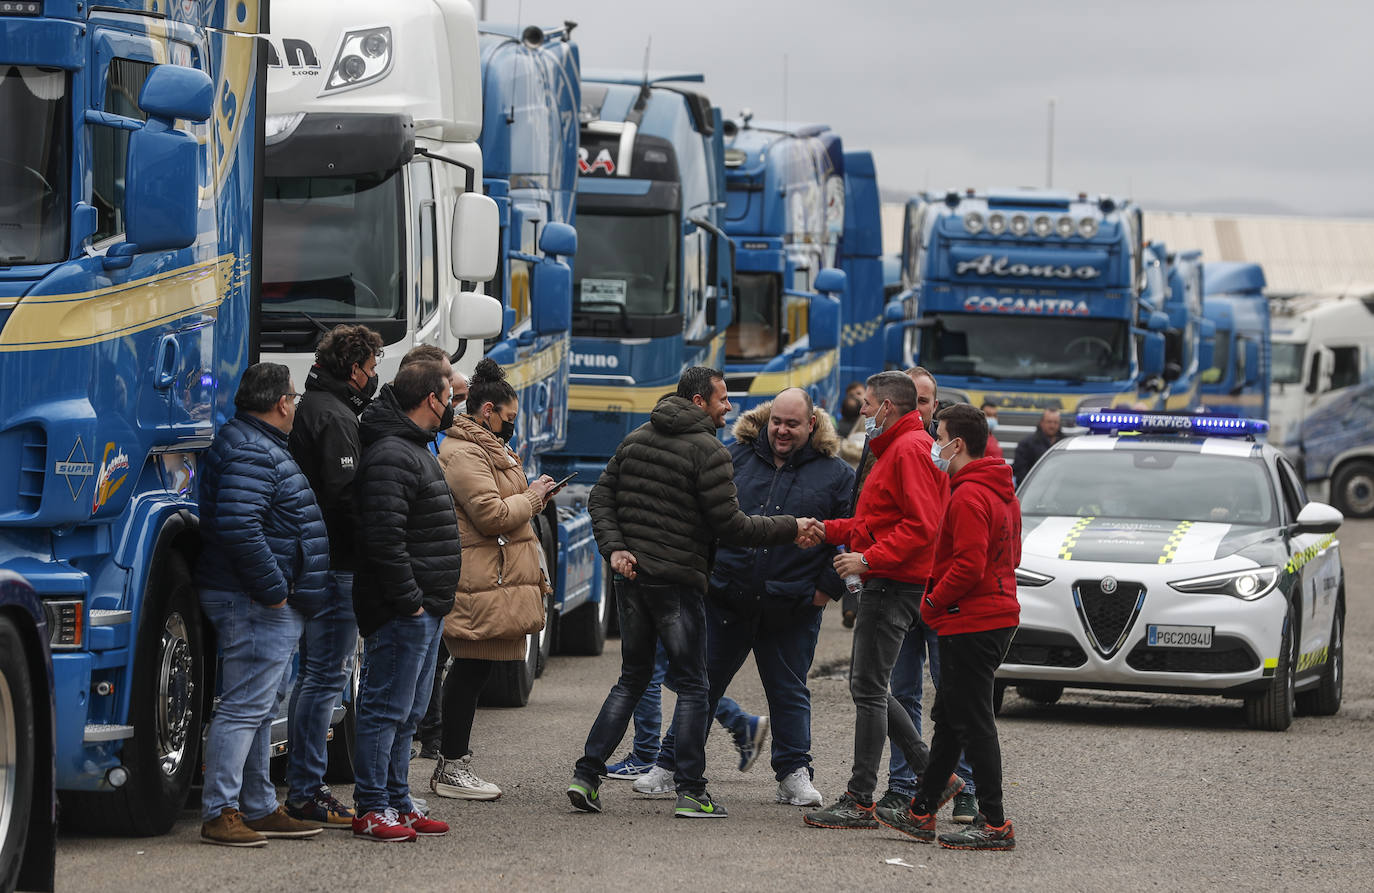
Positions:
(652, 275)
(130, 184)
(1027, 299)
(531, 85)
(865, 269)
(785, 212)
(1173, 285)
(1237, 381)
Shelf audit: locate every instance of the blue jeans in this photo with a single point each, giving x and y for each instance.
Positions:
(783, 652)
(651, 612)
(907, 686)
(398, 671)
(256, 643)
(327, 651)
(649, 713)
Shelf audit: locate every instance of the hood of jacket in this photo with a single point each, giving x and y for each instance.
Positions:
(989, 472)
(385, 418)
(751, 427)
(466, 428)
(678, 415)
(319, 380)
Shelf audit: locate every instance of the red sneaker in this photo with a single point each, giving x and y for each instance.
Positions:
(423, 825)
(383, 826)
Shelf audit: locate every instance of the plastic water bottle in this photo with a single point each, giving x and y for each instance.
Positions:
(854, 583)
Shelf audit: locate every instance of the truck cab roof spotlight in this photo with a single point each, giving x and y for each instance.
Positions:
(1020, 224)
(997, 224)
(973, 222)
(1064, 226)
(1042, 226)
(1087, 227)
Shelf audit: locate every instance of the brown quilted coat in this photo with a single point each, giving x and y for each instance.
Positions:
(499, 581)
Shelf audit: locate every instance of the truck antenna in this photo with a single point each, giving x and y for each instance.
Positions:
(648, 45)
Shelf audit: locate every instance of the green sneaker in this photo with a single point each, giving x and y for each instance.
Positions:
(847, 814)
(584, 796)
(893, 800)
(965, 808)
(921, 827)
(981, 836)
(698, 806)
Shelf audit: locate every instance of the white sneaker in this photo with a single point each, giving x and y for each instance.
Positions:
(797, 789)
(453, 778)
(656, 782)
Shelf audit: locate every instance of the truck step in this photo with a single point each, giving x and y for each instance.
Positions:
(106, 732)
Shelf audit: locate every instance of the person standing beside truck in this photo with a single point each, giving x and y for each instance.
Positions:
(1029, 451)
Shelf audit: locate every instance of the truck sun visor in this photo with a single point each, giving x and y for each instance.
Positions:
(336, 145)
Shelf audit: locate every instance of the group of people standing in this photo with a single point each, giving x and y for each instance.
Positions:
(929, 535)
(342, 515)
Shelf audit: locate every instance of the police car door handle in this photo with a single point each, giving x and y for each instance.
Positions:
(168, 359)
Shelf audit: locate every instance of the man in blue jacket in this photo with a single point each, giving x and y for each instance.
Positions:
(263, 569)
(769, 599)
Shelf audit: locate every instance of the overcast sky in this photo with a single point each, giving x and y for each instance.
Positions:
(1261, 105)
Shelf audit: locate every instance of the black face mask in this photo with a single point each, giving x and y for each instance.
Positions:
(369, 390)
(507, 431)
(446, 420)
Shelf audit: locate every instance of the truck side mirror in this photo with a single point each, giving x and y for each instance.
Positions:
(475, 316)
(558, 240)
(551, 284)
(1151, 355)
(823, 322)
(719, 312)
(1157, 321)
(831, 281)
(476, 238)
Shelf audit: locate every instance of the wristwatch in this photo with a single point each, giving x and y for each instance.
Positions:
(863, 559)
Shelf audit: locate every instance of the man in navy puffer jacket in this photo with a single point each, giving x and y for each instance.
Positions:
(263, 568)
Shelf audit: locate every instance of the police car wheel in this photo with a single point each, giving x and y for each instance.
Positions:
(1273, 710)
(16, 752)
(1043, 693)
(1325, 699)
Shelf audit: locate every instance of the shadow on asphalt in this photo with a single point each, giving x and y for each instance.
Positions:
(1126, 710)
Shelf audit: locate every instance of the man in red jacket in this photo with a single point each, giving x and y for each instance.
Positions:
(890, 543)
(972, 606)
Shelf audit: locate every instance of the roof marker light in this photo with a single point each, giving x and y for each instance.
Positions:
(1163, 423)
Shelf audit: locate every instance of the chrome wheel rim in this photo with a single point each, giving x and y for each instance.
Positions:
(9, 756)
(176, 692)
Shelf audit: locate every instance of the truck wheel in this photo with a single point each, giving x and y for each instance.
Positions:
(1352, 490)
(1043, 693)
(1273, 710)
(1325, 700)
(545, 637)
(584, 630)
(344, 743)
(512, 680)
(16, 752)
(165, 710)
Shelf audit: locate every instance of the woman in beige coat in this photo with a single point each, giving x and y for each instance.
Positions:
(500, 597)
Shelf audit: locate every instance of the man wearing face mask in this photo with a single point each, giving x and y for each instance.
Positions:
(324, 442)
(890, 543)
(972, 606)
(994, 449)
(409, 570)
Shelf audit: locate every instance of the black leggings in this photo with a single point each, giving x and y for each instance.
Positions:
(466, 678)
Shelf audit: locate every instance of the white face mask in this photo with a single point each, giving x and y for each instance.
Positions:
(992, 424)
(871, 426)
(935, 450)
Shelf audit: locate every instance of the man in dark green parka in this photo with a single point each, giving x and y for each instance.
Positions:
(665, 498)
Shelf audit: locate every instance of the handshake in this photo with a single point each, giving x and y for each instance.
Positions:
(810, 532)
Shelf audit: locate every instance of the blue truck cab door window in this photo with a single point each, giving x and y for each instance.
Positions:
(756, 333)
(425, 251)
(35, 152)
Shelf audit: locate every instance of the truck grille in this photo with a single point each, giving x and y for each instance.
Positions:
(1040, 648)
(1107, 616)
(1228, 654)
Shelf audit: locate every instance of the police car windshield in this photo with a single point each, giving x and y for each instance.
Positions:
(1167, 485)
(993, 346)
(1287, 361)
(332, 247)
(33, 165)
(625, 263)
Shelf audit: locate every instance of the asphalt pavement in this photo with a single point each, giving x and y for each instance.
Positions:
(1106, 791)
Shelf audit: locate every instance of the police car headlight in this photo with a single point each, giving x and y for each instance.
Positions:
(1247, 584)
(1031, 578)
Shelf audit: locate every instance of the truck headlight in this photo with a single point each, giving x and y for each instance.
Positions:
(364, 56)
(1247, 584)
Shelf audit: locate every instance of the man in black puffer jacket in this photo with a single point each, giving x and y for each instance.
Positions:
(260, 573)
(408, 539)
(665, 498)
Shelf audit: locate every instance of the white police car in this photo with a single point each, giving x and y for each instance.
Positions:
(1178, 554)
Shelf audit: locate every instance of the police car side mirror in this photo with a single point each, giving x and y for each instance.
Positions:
(1318, 517)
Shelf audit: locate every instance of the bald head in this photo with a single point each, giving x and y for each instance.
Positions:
(459, 381)
(790, 423)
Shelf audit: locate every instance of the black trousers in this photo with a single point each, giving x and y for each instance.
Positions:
(964, 720)
(467, 676)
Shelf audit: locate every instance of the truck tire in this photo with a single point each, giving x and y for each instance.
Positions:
(1352, 489)
(584, 630)
(16, 752)
(1042, 693)
(1272, 711)
(165, 710)
(512, 680)
(344, 744)
(1325, 700)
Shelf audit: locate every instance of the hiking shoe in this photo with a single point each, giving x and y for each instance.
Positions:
(981, 836)
(894, 800)
(429, 750)
(749, 742)
(965, 808)
(453, 778)
(796, 789)
(920, 827)
(630, 768)
(230, 830)
(383, 826)
(847, 814)
(584, 796)
(422, 825)
(952, 789)
(278, 824)
(698, 806)
(323, 809)
(656, 782)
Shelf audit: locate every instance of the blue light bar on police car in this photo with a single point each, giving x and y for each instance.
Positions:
(1162, 423)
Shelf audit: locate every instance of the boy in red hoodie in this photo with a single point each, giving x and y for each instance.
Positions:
(972, 606)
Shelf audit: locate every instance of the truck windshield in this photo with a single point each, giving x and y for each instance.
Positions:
(626, 264)
(332, 247)
(754, 333)
(1026, 347)
(1287, 361)
(33, 165)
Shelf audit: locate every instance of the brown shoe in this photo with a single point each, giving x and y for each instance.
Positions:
(230, 830)
(278, 824)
